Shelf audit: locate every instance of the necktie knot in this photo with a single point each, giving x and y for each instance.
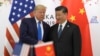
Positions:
(60, 26)
(39, 22)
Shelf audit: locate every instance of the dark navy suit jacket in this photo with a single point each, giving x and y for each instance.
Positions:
(28, 31)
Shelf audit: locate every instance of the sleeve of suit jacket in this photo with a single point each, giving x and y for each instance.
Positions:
(77, 41)
(24, 36)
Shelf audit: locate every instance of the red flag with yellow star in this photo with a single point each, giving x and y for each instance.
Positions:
(77, 15)
(44, 49)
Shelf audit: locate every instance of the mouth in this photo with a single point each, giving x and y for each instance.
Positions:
(58, 19)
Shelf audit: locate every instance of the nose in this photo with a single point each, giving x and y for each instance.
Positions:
(42, 13)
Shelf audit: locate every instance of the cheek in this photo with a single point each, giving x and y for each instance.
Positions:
(58, 17)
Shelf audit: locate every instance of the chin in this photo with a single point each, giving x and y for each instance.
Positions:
(41, 19)
(58, 21)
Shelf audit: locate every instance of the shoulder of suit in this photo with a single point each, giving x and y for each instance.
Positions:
(72, 24)
(46, 24)
(55, 25)
(27, 19)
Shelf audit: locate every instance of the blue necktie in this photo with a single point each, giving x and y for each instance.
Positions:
(59, 30)
(39, 31)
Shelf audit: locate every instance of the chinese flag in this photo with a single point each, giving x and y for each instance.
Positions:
(44, 49)
(77, 15)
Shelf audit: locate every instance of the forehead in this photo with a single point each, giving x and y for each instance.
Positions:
(59, 12)
(41, 9)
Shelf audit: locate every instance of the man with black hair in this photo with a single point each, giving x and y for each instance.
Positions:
(66, 35)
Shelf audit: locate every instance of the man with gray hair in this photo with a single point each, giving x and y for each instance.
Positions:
(34, 30)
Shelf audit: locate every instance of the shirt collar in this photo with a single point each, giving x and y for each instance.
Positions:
(37, 20)
(63, 24)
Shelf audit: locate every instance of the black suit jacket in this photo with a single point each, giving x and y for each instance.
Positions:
(28, 31)
(69, 43)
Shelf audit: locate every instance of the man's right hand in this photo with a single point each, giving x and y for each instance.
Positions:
(40, 42)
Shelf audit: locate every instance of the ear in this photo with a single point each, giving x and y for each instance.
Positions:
(32, 14)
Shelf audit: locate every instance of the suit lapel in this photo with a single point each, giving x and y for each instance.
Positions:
(67, 26)
(44, 28)
(34, 26)
(56, 32)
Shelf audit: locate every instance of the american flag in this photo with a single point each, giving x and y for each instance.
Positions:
(21, 49)
(19, 9)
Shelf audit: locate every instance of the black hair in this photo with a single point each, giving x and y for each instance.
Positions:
(62, 8)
